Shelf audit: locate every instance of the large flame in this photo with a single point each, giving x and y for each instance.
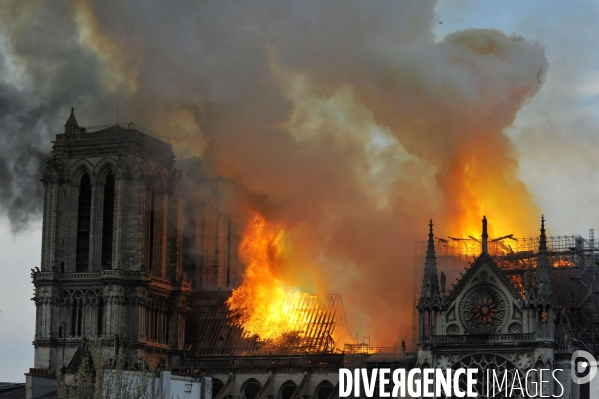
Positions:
(481, 180)
(265, 305)
(276, 312)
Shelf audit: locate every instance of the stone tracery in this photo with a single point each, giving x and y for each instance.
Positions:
(483, 310)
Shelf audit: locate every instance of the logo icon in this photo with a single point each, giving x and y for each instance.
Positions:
(583, 367)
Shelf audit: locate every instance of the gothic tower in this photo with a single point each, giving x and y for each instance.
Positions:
(111, 246)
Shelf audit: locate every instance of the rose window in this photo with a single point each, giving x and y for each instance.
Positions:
(483, 310)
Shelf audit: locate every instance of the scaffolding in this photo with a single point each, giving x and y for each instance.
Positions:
(213, 330)
(575, 274)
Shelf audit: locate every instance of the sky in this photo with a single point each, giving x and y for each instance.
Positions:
(553, 136)
(556, 131)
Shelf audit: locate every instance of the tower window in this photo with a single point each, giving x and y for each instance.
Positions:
(83, 224)
(79, 320)
(152, 228)
(100, 320)
(154, 225)
(108, 222)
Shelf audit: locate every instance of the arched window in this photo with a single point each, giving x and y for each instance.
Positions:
(76, 318)
(108, 222)
(100, 318)
(324, 390)
(155, 217)
(152, 227)
(287, 390)
(251, 388)
(83, 224)
(217, 385)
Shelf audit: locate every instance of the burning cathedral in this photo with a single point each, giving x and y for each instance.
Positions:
(139, 256)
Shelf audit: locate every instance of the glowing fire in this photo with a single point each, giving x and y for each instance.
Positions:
(265, 305)
(276, 312)
(482, 180)
(563, 263)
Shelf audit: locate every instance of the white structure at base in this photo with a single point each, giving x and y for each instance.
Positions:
(182, 386)
(166, 385)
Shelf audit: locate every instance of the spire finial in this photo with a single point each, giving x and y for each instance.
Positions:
(72, 110)
(430, 285)
(430, 252)
(543, 269)
(485, 237)
(543, 239)
(542, 223)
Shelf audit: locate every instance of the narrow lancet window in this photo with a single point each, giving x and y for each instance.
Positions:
(83, 224)
(151, 228)
(108, 222)
(154, 225)
(100, 320)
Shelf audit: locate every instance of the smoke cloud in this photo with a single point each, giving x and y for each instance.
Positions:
(346, 123)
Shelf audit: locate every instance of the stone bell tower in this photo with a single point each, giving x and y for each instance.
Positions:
(111, 246)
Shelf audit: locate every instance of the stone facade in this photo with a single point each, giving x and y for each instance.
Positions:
(127, 241)
(488, 324)
(111, 266)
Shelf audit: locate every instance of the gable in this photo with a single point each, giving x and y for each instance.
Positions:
(484, 302)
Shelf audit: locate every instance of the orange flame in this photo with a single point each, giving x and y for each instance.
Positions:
(563, 263)
(482, 180)
(263, 303)
(267, 307)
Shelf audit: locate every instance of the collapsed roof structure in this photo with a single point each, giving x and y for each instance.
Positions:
(213, 330)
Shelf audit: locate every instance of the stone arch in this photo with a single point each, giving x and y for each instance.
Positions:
(539, 364)
(104, 168)
(159, 182)
(287, 389)
(217, 385)
(136, 172)
(105, 196)
(78, 169)
(489, 361)
(422, 361)
(146, 169)
(159, 179)
(324, 390)
(250, 389)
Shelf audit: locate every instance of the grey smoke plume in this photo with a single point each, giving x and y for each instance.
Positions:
(345, 122)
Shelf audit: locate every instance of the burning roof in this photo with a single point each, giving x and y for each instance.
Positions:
(319, 326)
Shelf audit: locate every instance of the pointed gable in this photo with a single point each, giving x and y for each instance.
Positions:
(471, 276)
(484, 301)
